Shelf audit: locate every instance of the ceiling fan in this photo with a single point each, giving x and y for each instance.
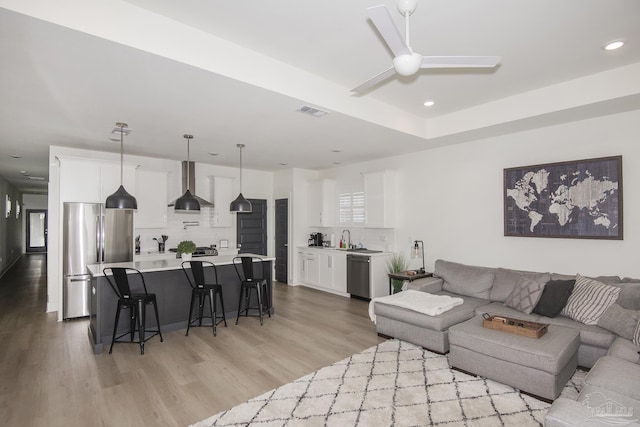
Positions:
(406, 61)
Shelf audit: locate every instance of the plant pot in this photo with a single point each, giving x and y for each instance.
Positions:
(186, 257)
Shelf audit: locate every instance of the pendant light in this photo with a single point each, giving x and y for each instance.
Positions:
(240, 204)
(121, 199)
(187, 202)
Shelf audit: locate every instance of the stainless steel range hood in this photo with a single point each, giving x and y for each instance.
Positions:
(192, 184)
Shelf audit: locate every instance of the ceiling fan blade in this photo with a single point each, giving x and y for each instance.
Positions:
(460, 61)
(374, 80)
(381, 18)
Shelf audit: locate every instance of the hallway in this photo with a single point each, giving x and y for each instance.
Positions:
(50, 377)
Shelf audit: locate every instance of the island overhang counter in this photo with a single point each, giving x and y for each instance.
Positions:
(166, 279)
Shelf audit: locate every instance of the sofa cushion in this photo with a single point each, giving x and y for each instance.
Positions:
(629, 297)
(620, 321)
(591, 335)
(617, 375)
(589, 300)
(525, 295)
(554, 297)
(442, 322)
(625, 350)
(465, 280)
(505, 280)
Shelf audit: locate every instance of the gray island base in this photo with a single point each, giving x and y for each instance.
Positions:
(166, 279)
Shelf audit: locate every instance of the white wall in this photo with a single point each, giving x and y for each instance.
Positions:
(452, 198)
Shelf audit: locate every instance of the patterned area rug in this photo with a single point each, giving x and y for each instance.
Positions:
(393, 383)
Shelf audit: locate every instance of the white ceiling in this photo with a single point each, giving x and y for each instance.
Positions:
(233, 72)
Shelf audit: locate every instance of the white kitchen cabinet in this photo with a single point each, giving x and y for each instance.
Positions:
(321, 202)
(151, 194)
(380, 204)
(221, 195)
(333, 271)
(91, 180)
(309, 267)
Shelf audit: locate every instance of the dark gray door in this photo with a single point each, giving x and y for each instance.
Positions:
(282, 237)
(252, 229)
(36, 230)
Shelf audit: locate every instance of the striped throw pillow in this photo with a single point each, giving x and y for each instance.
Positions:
(636, 335)
(589, 300)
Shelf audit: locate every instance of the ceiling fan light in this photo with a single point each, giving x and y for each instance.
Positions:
(121, 200)
(407, 65)
(240, 204)
(187, 203)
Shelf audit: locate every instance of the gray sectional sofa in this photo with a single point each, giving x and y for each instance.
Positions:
(521, 361)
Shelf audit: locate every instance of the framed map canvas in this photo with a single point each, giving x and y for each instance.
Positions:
(579, 199)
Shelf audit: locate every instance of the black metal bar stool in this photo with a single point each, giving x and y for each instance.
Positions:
(136, 302)
(200, 290)
(249, 281)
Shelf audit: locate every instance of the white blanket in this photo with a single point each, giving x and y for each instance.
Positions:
(422, 302)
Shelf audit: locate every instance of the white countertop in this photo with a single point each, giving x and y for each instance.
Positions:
(346, 251)
(167, 264)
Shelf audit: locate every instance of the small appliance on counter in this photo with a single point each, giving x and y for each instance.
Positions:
(315, 239)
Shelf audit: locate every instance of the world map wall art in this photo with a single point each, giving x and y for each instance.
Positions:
(578, 199)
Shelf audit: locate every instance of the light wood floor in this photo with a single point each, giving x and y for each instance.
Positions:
(50, 377)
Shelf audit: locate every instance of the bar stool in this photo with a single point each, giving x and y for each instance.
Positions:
(200, 290)
(250, 281)
(136, 303)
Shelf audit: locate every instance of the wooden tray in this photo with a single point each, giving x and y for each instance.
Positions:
(515, 326)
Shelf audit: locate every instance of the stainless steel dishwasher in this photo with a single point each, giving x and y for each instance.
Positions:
(358, 275)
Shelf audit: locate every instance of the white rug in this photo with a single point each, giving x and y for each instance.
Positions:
(393, 383)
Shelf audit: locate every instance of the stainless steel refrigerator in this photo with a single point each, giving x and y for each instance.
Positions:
(91, 235)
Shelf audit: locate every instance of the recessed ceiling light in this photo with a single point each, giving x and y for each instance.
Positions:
(213, 154)
(283, 164)
(429, 103)
(24, 172)
(613, 45)
(36, 178)
(336, 151)
(15, 156)
(336, 163)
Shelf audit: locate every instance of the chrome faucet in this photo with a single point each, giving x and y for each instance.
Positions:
(349, 241)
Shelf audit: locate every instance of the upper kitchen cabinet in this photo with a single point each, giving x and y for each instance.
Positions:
(221, 195)
(380, 204)
(151, 193)
(92, 181)
(321, 203)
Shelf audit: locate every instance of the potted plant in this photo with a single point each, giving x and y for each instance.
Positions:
(398, 263)
(185, 249)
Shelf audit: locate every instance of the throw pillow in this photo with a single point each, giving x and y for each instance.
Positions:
(525, 295)
(554, 297)
(589, 300)
(636, 336)
(620, 321)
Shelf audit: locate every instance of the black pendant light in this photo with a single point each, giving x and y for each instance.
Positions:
(121, 199)
(240, 204)
(187, 202)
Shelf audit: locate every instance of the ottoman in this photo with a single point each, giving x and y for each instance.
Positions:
(541, 367)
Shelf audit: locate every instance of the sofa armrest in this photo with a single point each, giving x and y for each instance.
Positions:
(570, 413)
(428, 284)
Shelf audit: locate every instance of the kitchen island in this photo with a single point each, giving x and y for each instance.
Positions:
(166, 279)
